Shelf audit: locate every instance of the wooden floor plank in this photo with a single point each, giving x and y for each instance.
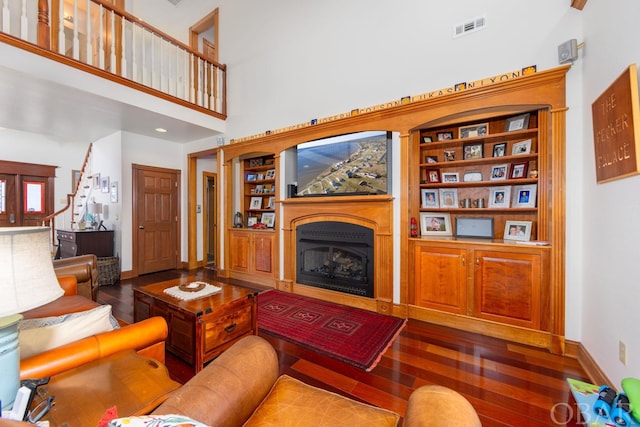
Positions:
(508, 384)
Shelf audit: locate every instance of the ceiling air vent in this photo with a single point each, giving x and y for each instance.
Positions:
(174, 2)
(471, 26)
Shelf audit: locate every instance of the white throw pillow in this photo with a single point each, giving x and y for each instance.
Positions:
(38, 335)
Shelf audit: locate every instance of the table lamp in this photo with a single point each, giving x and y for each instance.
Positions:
(95, 209)
(27, 281)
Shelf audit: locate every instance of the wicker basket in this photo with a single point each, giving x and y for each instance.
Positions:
(108, 270)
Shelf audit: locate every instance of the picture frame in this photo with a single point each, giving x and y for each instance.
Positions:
(473, 150)
(449, 155)
(472, 176)
(429, 198)
(444, 136)
(500, 149)
(500, 197)
(499, 172)
(519, 122)
(254, 163)
(258, 189)
(517, 230)
(272, 202)
(448, 197)
(473, 131)
(96, 181)
(271, 174)
(104, 184)
(524, 196)
(250, 177)
(427, 139)
(450, 177)
(251, 221)
(75, 178)
(519, 170)
(256, 203)
(431, 159)
(520, 148)
(435, 223)
(269, 219)
(433, 175)
(113, 192)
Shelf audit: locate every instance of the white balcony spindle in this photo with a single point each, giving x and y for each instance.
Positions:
(6, 17)
(211, 79)
(61, 38)
(101, 38)
(134, 59)
(89, 42)
(24, 23)
(144, 59)
(76, 39)
(161, 66)
(112, 43)
(123, 53)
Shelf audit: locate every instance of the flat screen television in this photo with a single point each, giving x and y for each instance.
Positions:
(352, 164)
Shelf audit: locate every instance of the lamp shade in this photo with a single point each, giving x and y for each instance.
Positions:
(95, 208)
(27, 278)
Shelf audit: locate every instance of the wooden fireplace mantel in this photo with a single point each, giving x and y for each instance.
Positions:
(374, 212)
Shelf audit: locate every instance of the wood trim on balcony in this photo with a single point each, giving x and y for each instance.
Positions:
(578, 4)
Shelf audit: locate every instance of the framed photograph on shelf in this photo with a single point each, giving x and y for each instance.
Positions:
(269, 219)
(473, 130)
(519, 170)
(256, 203)
(450, 177)
(435, 223)
(499, 172)
(474, 150)
(520, 122)
(254, 163)
(499, 150)
(448, 197)
(524, 196)
(444, 136)
(258, 189)
(251, 221)
(426, 139)
(431, 159)
(517, 230)
(271, 173)
(251, 177)
(272, 203)
(429, 198)
(449, 155)
(522, 147)
(499, 197)
(472, 176)
(433, 175)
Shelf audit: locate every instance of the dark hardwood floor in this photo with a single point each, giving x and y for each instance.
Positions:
(509, 384)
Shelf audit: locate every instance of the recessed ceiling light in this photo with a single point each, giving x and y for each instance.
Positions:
(161, 130)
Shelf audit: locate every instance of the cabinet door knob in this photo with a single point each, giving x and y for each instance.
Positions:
(141, 227)
(477, 260)
(464, 260)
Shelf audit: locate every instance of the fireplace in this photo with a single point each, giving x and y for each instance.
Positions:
(337, 256)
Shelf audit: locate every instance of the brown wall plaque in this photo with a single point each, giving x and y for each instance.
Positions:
(615, 128)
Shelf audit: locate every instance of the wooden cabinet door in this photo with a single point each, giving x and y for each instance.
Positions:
(240, 249)
(507, 287)
(263, 253)
(441, 279)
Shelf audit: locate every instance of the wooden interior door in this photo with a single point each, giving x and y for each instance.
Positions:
(26, 193)
(9, 201)
(156, 219)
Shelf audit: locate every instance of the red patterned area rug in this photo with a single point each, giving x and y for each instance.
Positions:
(354, 336)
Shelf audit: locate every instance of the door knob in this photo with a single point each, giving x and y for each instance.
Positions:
(141, 227)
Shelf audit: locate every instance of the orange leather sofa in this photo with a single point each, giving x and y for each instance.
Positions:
(146, 337)
(85, 269)
(243, 387)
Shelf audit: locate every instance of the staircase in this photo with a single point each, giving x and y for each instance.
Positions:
(77, 201)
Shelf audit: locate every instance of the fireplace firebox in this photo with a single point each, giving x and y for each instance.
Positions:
(335, 255)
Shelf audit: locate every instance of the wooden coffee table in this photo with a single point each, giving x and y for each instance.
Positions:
(199, 329)
(134, 384)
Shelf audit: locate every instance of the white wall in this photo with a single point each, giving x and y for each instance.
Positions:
(611, 227)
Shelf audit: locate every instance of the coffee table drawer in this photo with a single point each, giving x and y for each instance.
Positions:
(222, 329)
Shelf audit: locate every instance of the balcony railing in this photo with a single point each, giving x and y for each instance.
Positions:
(97, 37)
